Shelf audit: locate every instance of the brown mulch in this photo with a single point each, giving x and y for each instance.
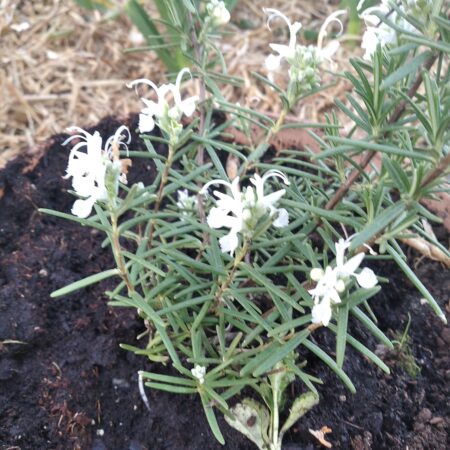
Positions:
(61, 65)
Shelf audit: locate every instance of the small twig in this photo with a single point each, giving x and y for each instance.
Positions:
(344, 188)
(437, 171)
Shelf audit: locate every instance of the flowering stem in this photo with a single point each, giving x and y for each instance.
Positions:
(162, 184)
(276, 128)
(199, 51)
(118, 253)
(227, 282)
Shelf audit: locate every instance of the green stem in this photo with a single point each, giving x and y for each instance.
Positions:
(276, 128)
(227, 282)
(162, 185)
(118, 254)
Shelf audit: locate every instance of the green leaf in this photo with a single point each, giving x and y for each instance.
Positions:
(330, 363)
(380, 223)
(281, 353)
(341, 335)
(438, 45)
(171, 388)
(87, 222)
(143, 263)
(211, 417)
(405, 69)
(168, 379)
(417, 283)
(138, 302)
(352, 145)
(192, 263)
(370, 325)
(85, 282)
(363, 350)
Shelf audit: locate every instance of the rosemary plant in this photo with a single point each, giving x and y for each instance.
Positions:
(233, 271)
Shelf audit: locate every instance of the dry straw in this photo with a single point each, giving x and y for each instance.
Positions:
(60, 65)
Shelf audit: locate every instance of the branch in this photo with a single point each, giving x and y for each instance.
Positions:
(344, 188)
(443, 165)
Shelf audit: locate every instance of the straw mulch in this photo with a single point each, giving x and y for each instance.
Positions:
(61, 65)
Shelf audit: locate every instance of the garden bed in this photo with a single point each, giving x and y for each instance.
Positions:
(66, 384)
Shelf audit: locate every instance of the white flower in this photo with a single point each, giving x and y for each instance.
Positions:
(322, 312)
(167, 116)
(284, 51)
(267, 202)
(241, 211)
(88, 170)
(199, 372)
(299, 55)
(332, 47)
(379, 32)
(366, 278)
(331, 282)
(218, 12)
(186, 203)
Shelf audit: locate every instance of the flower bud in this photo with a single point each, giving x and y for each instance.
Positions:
(218, 12)
(340, 286)
(316, 274)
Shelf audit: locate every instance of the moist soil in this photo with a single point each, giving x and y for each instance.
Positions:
(66, 384)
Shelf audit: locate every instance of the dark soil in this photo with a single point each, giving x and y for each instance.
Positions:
(66, 384)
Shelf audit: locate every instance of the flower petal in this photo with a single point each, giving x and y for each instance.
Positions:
(146, 123)
(218, 218)
(229, 243)
(188, 105)
(271, 199)
(282, 220)
(351, 265)
(321, 313)
(82, 208)
(329, 50)
(366, 278)
(284, 51)
(272, 62)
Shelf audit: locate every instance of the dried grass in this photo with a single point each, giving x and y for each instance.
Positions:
(69, 67)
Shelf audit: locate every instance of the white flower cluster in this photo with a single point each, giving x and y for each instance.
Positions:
(331, 282)
(166, 116)
(304, 61)
(241, 211)
(186, 203)
(218, 12)
(379, 32)
(90, 170)
(199, 372)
